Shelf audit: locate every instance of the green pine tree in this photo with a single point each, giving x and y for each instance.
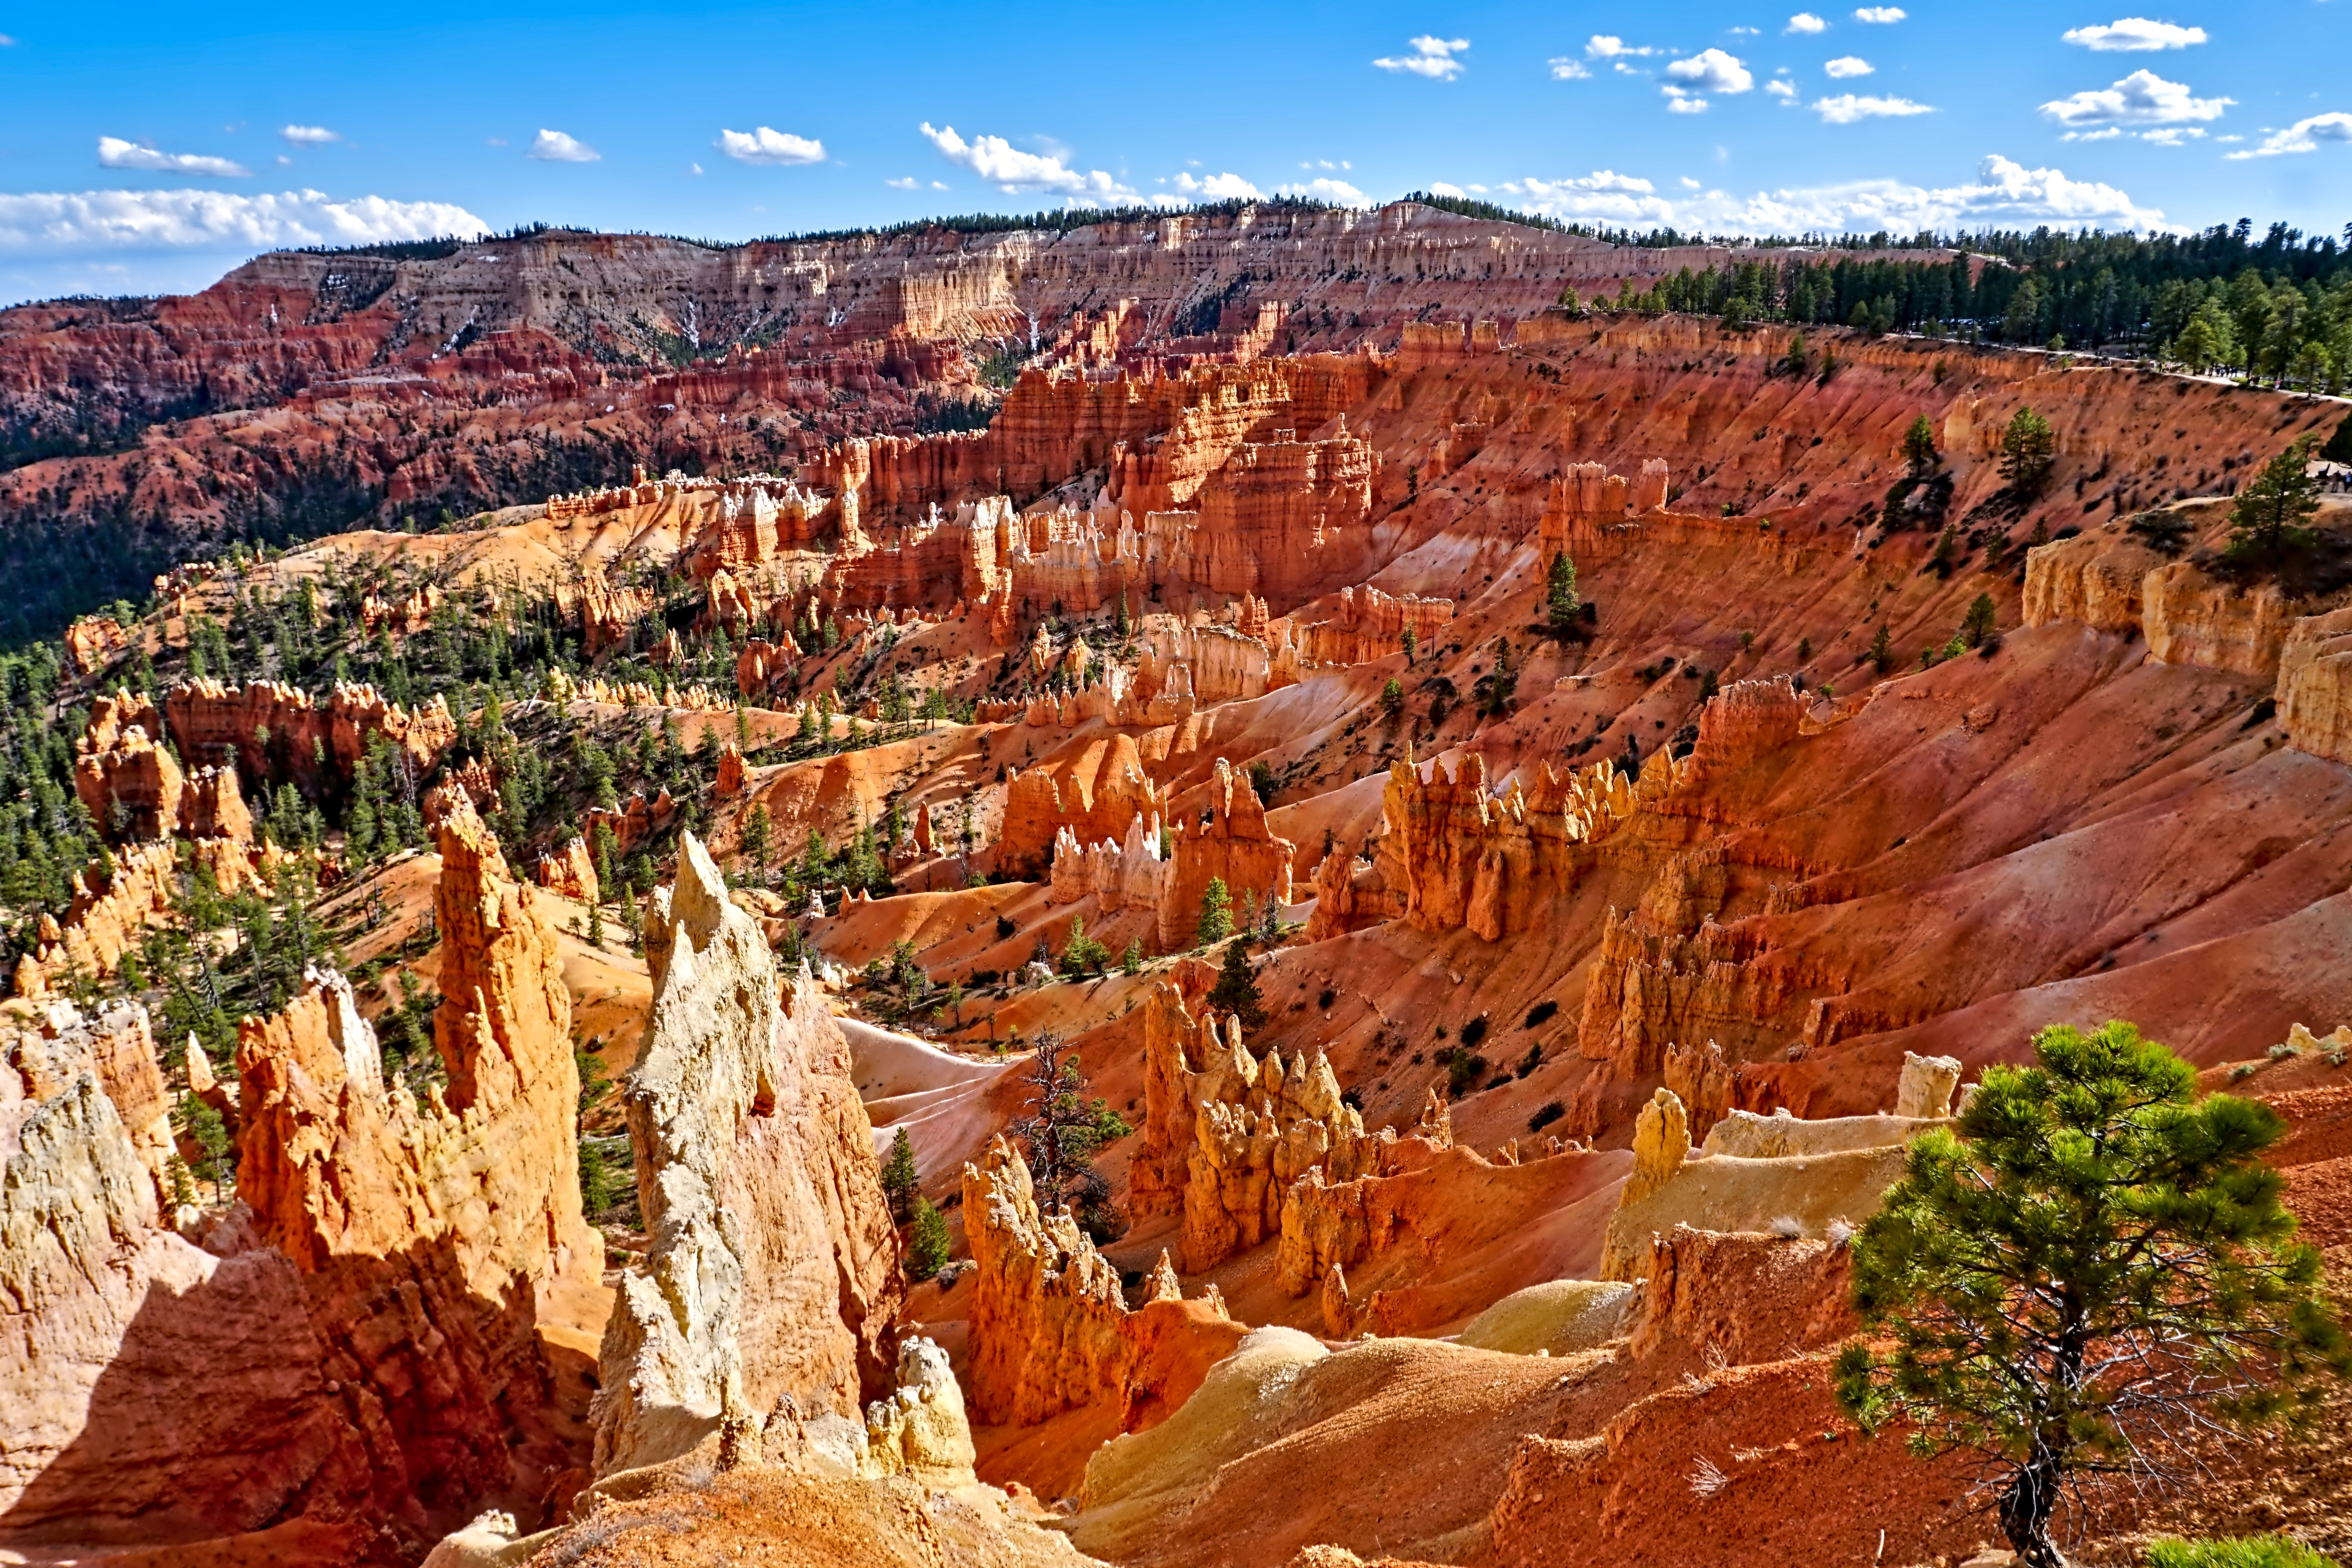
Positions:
(2028, 449)
(1919, 446)
(928, 1246)
(2088, 1270)
(2270, 514)
(1978, 624)
(1560, 601)
(898, 1178)
(1216, 921)
(1236, 991)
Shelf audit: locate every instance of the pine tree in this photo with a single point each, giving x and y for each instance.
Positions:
(755, 837)
(1236, 991)
(1881, 650)
(899, 1177)
(1978, 625)
(2269, 516)
(1393, 698)
(1796, 362)
(1216, 921)
(1560, 601)
(1131, 963)
(2028, 449)
(928, 1246)
(2088, 1278)
(1919, 446)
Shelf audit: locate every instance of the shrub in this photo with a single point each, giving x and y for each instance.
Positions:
(1543, 1012)
(1473, 1031)
(1324, 999)
(2252, 1551)
(927, 1248)
(1548, 1112)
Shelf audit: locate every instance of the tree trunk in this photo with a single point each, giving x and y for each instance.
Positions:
(2025, 1510)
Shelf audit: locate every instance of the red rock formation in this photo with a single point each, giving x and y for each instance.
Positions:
(158, 1392)
(110, 912)
(633, 821)
(122, 774)
(730, 782)
(1096, 793)
(1050, 1329)
(1236, 846)
(1371, 625)
(1460, 856)
(447, 1264)
(92, 643)
(1235, 1133)
(571, 871)
(277, 733)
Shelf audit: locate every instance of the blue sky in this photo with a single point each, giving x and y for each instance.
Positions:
(147, 148)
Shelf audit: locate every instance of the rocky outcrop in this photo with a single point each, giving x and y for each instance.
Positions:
(1587, 506)
(2315, 685)
(111, 909)
(1803, 1193)
(632, 822)
(277, 733)
(1050, 1329)
(448, 1269)
(1719, 1298)
(1371, 625)
(920, 1430)
(2191, 617)
(135, 789)
(1096, 794)
(1464, 857)
(1235, 1133)
(157, 1391)
(571, 871)
(1234, 845)
(772, 1272)
(1115, 876)
(93, 642)
(2091, 578)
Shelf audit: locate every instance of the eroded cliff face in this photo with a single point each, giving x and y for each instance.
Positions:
(158, 1391)
(772, 1273)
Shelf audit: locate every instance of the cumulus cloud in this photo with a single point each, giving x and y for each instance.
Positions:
(1010, 170)
(1880, 14)
(1847, 108)
(309, 136)
(555, 147)
(2004, 193)
(1339, 192)
(1784, 91)
(769, 146)
(1604, 194)
(117, 220)
(1848, 65)
(2172, 135)
(1712, 70)
(2132, 34)
(908, 184)
(1567, 68)
(1442, 188)
(1217, 189)
(1436, 58)
(1805, 22)
(2142, 97)
(114, 152)
(2303, 136)
(1608, 46)
(1681, 103)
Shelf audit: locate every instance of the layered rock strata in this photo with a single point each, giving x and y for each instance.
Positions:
(277, 733)
(772, 1272)
(1236, 846)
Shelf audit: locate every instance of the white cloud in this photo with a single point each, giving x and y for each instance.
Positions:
(1608, 46)
(1567, 68)
(1847, 108)
(908, 184)
(1432, 57)
(282, 160)
(2303, 136)
(692, 167)
(1805, 22)
(1339, 192)
(2142, 97)
(1680, 102)
(309, 136)
(555, 147)
(1880, 14)
(1440, 188)
(2109, 134)
(769, 146)
(1744, 32)
(2003, 192)
(938, 185)
(110, 220)
(1689, 184)
(1218, 188)
(1712, 70)
(1009, 169)
(2172, 135)
(6, 42)
(114, 152)
(1848, 65)
(1603, 193)
(2132, 34)
(1781, 89)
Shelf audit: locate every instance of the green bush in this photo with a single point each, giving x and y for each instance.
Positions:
(2253, 1551)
